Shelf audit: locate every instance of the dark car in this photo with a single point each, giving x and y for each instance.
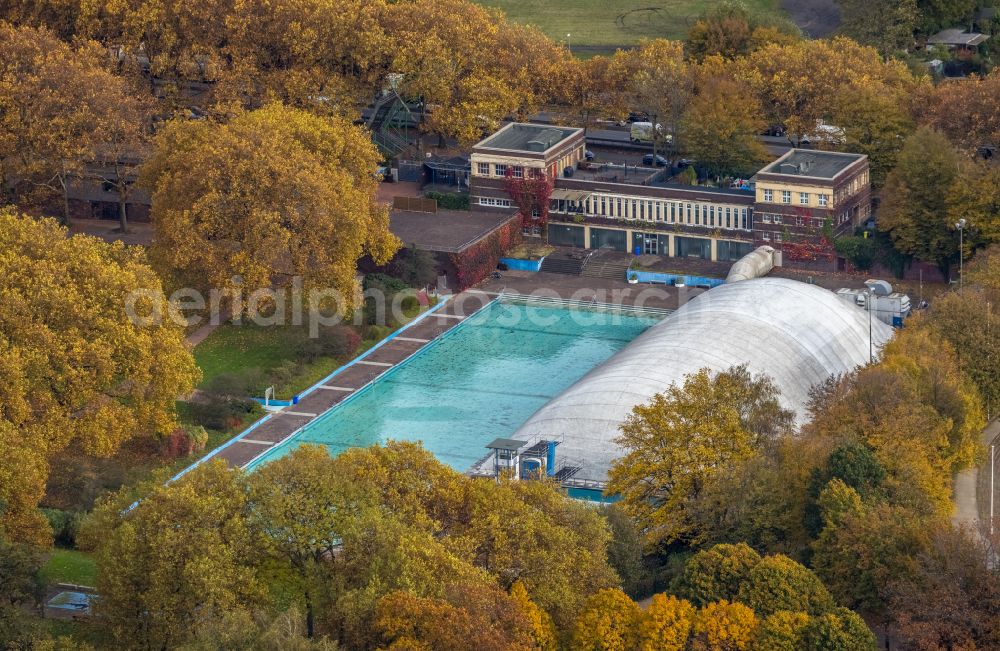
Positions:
(589, 155)
(657, 160)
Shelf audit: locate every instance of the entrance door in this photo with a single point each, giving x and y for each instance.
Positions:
(650, 244)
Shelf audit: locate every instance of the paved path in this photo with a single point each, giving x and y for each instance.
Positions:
(967, 508)
(277, 426)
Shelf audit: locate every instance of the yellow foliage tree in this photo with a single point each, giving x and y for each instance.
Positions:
(542, 629)
(609, 622)
(272, 194)
(723, 626)
(666, 624)
(77, 368)
(686, 437)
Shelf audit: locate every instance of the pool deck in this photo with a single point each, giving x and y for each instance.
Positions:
(277, 426)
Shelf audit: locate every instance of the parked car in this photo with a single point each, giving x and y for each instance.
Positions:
(589, 155)
(657, 160)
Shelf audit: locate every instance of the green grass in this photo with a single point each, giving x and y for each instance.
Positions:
(599, 26)
(69, 566)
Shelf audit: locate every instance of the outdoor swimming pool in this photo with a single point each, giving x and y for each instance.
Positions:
(479, 381)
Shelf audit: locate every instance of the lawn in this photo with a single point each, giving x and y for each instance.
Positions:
(69, 566)
(599, 26)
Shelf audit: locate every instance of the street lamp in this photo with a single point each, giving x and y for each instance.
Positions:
(871, 344)
(960, 225)
(569, 43)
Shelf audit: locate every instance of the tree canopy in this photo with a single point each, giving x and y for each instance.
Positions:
(269, 195)
(78, 369)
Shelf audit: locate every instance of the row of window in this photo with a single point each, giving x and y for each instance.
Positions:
(500, 170)
(650, 210)
(490, 201)
(803, 197)
(815, 222)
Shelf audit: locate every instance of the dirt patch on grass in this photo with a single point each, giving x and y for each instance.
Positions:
(817, 18)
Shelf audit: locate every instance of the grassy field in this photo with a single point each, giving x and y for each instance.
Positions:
(599, 26)
(69, 566)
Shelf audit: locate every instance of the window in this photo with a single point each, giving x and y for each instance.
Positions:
(534, 172)
(786, 196)
(688, 212)
(765, 218)
(824, 199)
(632, 212)
(697, 214)
(729, 223)
(777, 237)
(604, 205)
(518, 172)
(659, 211)
(618, 212)
(799, 221)
(804, 198)
(536, 213)
(768, 195)
(766, 236)
(490, 201)
(711, 216)
(746, 226)
(484, 169)
(500, 169)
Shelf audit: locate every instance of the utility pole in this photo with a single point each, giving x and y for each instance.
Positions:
(871, 344)
(992, 458)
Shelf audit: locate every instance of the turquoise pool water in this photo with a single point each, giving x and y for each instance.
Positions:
(479, 381)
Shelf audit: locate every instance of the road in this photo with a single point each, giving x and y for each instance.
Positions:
(966, 497)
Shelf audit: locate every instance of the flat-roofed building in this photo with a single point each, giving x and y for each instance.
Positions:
(805, 190)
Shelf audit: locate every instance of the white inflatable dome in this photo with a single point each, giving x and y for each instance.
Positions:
(798, 334)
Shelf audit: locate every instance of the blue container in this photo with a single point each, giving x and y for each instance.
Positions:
(531, 469)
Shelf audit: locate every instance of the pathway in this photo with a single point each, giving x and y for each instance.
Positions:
(967, 507)
(277, 426)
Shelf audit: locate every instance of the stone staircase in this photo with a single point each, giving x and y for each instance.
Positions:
(608, 269)
(562, 265)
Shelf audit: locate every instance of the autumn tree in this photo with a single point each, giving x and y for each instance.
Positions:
(59, 107)
(20, 590)
(666, 624)
(724, 626)
(967, 113)
(970, 322)
(720, 127)
(715, 574)
(730, 30)
(438, 45)
(609, 622)
(594, 88)
(184, 553)
(661, 84)
(952, 597)
(684, 439)
(468, 617)
(975, 197)
(303, 507)
(937, 14)
(781, 631)
(272, 194)
(79, 370)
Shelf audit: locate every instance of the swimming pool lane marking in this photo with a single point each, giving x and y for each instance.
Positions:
(283, 442)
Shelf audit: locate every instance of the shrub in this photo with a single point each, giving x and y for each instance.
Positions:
(385, 282)
(859, 251)
(449, 200)
(185, 441)
(410, 303)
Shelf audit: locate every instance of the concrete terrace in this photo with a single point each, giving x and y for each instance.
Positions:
(277, 426)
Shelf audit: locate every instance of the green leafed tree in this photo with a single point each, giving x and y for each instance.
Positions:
(715, 574)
